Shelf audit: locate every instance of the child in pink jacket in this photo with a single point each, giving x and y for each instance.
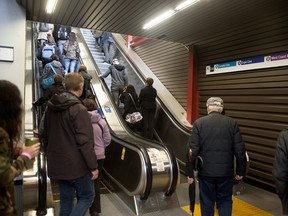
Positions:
(102, 139)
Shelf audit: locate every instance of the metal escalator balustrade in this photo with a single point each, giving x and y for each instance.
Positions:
(139, 167)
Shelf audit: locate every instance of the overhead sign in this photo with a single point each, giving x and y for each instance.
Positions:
(252, 63)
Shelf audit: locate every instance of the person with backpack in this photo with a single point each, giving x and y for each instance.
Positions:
(48, 49)
(43, 29)
(102, 139)
(71, 53)
(52, 68)
(61, 35)
(56, 88)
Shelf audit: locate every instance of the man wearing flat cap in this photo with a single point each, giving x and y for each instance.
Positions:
(216, 138)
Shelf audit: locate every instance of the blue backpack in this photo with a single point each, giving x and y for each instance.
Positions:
(48, 51)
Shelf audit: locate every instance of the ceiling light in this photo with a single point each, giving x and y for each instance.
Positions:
(50, 7)
(185, 4)
(159, 19)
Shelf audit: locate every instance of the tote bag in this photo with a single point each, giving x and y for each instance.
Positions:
(135, 117)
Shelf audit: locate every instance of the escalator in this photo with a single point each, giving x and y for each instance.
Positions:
(140, 171)
(171, 127)
(134, 166)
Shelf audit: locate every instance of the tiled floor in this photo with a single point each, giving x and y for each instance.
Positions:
(252, 201)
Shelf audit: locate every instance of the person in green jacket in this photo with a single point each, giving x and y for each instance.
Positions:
(12, 162)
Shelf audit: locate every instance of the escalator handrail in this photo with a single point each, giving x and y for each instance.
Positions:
(41, 159)
(148, 165)
(173, 163)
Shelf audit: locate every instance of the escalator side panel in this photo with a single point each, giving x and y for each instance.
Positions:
(174, 139)
(123, 157)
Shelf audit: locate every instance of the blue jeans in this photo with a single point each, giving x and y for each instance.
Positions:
(216, 190)
(61, 45)
(70, 65)
(84, 187)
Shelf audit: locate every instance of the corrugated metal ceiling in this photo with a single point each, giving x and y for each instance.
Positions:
(200, 22)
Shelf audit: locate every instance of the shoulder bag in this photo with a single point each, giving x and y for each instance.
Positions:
(134, 117)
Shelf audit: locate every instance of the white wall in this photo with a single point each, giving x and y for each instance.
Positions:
(13, 30)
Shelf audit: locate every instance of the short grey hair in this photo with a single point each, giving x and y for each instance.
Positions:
(214, 109)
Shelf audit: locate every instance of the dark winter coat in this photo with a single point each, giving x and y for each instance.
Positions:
(55, 88)
(129, 106)
(280, 169)
(87, 78)
(217, 139)
(147, 98)
(68, 138)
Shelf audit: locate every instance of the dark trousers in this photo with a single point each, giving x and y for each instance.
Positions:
(284, 201)
(216, 191)
(148, 122)
(96, 205)
(84, 188)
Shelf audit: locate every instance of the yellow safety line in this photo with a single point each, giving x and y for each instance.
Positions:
(240, 208)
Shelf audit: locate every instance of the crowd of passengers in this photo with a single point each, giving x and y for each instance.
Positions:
(68, 100)
(59, 53)
(74, 136)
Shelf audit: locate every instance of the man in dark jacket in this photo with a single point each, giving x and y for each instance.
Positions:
(119, 79)
(69, 147)
(147, 102)
(217, 139)
(280, 169)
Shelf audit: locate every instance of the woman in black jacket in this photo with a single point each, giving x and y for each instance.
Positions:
(130, 100)
(147, 102)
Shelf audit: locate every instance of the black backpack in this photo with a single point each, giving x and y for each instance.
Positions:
(44, 27)
(62, 33)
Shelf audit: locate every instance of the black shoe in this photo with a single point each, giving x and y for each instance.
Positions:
(34, 106)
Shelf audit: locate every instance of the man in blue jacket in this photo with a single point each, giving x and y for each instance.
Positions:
(217, 139)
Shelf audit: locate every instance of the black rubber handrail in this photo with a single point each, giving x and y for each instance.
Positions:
(41, 159)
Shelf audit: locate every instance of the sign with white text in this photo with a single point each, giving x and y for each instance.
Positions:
(252, 63)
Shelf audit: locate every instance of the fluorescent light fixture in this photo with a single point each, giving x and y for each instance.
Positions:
(159, 19)
(185, 4)
(50, 7)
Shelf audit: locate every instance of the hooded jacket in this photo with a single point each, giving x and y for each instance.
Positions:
(118, 74)
(101, 138)
(68, 138)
